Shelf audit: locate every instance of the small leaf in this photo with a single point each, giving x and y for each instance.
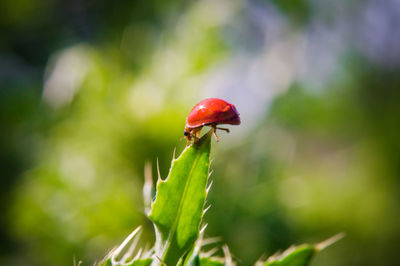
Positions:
(119, 256)
(178, 208)
(299, 255)
(211, 262)
(295, 256)
(141, 262)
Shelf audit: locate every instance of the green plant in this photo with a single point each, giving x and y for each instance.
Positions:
(177, 213)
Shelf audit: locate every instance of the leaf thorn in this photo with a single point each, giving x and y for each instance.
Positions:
(158, 171)
(206, 209)
(329, 241)
(209, 186)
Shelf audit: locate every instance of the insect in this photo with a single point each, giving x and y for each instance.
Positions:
(210, 112)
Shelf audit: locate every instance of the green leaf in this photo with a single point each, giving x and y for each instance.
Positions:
(295, 256)
(210, 262)
(125, 255)
(197, 258)
(178, 208)
(141, 262)
(300, 255)
(205, 261)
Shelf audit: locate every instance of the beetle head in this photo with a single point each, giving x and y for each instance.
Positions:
(187, 134)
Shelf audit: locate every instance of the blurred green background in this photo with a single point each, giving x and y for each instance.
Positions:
(91, 90)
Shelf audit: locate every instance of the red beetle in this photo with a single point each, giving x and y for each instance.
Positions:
(210, 112)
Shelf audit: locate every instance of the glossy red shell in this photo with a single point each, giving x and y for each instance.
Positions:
(212, 111)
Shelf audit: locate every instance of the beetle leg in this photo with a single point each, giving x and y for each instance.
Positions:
(216, 136)
(198, 133)
(214, 127)
(225, 129)
(195, 133)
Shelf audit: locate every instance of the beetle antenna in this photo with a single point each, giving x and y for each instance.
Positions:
(224, 129)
